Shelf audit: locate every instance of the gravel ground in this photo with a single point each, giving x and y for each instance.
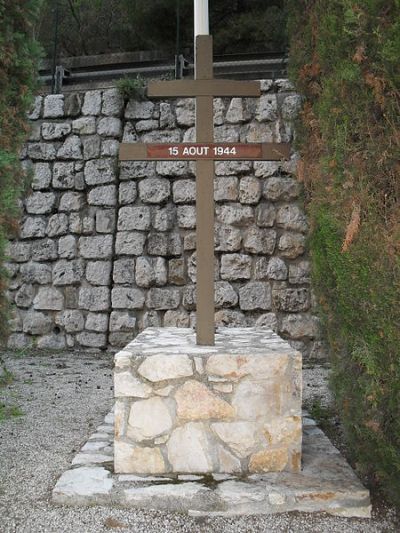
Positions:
(62, 398)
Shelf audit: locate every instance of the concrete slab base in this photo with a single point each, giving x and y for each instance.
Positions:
(325, 484)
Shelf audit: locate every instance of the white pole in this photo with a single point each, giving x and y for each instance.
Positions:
(201, 23)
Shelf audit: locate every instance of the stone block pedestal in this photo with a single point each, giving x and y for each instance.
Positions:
(232, 408)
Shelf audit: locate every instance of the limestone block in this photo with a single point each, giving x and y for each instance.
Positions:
(42, 176)
(290, 217)
(105, 220)
(137, 460)
(184, 191)
(292, 300)
(176, 319)
(227, 238)
(226, 134)
(291, 106)
(92, 340)
(166, 367)
(249, 190)
(36, 273)
(226, 189)
(93, 482)
(127, 192)
(71, 149)
(109, 147)
(24, 296)
(253, 400)
(267, 109)
(185, 112)
(291, 245)
(98, 272)
(225, 295)
(273, 268)
(299, 326)
(274, 460)
(237, 112)
(281, 189)
(48, 299)
(265, 169)
(68, 272)
(57, 225)
(94, 298)
(167, 117)
(267, 320)
(259, 241)
(96, 247)
(127, 298)
(124, 271)
(151, 271)
(91, 147)
(265, 215)
(41, 151)
(230, 168)
(53, 341)
(235, 214)
(235, 266)
(71, 320)
(126, 385)
(122, 321)
(134, 218)
(113, 102)
(71, 201)
(146, 125)
(36, 108)
(149, 419)
(164, 218)
(240, 437)
(186, 216)
(20, 252)
(109, 127)
(139, 109)
(55, 131)
(194, 401)
(154, 190)
(92, 103)
(172, 168)
(84, 125)
(255, 295)
(73, 105)
(163, 299)
(137, 169)
(100, 171)
(300, 273)
(105, 195)
(63, 175)
(97, 322)
(36, 323)
(190, 450)
(53, 106)
(177, 271)
(130, 243)
(228, 463)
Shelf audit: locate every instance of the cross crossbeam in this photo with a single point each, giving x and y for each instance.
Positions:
(204, 151)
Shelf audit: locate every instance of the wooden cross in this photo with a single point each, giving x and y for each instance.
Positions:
(204, 88)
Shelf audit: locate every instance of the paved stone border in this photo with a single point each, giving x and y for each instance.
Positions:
(326, 484)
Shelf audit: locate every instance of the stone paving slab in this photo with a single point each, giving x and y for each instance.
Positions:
(326, 484)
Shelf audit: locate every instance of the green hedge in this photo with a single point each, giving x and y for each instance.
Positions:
(18, 55)
(344, 59)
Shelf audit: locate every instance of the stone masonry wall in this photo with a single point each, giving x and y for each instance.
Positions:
(107, 249)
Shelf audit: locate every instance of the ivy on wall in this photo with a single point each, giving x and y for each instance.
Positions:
(18, 55)
(344, 59)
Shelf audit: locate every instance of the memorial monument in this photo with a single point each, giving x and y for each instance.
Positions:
(226, 403)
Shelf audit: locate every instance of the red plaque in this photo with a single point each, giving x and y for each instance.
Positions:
(195, 151)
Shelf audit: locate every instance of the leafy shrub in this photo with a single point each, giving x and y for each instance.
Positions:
(344, 59)
(18, 54)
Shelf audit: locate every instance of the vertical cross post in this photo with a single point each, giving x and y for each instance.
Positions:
(204, 198)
